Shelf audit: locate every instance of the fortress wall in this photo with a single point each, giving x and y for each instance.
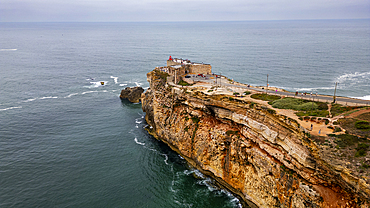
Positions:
(201, 69)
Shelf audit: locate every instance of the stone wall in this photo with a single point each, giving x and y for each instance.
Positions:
(201, 69)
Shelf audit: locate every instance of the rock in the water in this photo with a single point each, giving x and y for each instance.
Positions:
(132, 94)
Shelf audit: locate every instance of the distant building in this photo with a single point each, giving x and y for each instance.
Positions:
(187, 67)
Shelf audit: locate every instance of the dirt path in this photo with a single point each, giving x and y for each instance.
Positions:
(357, 113)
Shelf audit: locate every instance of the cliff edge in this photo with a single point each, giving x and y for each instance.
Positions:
(263, 157)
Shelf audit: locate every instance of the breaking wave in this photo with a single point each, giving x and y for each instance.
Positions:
(10, 108)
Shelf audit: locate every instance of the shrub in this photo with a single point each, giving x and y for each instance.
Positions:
(236, 93)
(362, 125)
(361, 149)
(195, 119)
(183, 83)
(247, 93)
(265, 97)
(272, 111)
(337, 129)
(345, 140)
(322, 106)
(162, 75)
(229, 132)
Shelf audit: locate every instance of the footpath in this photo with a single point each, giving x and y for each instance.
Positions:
(222, 85)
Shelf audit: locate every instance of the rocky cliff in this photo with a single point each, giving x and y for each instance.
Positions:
(132, 94)
(262, 157)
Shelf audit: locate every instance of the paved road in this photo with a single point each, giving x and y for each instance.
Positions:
(322, 98)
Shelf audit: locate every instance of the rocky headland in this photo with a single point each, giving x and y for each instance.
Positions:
(266, 158)
(132, 94)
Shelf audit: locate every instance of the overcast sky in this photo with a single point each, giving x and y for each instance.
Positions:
(179, 10)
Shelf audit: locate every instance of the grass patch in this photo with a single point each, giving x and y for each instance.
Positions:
(265, 97)
(247, 93)
(305, 107)
(183, 83)
(294, 104)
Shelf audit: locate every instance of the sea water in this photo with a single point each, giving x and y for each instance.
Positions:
(68, 141)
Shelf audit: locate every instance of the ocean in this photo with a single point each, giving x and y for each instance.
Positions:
(68, 141)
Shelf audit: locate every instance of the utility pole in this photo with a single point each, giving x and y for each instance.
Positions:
(267, 83)
(335, 90)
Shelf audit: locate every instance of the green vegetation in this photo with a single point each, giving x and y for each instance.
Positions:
(337, 129)
(358, 125)
(247, 93)
(210, 90)
(265, 97)
(294, 104)
(236, 93)
(186, 129)
(345, 140)
(361, 149)
(287, 170)
(229, 132)
(195, 119)
(183, 83)
(337, 109)
(305, 107)
(326, 121)
(363, 125)
(272, 111)
(162, 75)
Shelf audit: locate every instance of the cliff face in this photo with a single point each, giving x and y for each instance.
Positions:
(262, 157)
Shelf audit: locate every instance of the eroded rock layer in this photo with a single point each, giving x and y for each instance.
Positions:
(263, 158)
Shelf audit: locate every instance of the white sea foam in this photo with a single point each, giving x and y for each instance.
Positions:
(70, 95)
(87, 92)
(138, 84)
(366, 97)
(354, 77)
(115, 79)
(50, 97)
(122, 85)
(10, 108)
(137, 142)
(12, 49)
(313, 89)
(96, 84)
(166, 159)
(30, 100)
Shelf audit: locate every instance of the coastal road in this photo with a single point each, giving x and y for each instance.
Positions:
(322, 98)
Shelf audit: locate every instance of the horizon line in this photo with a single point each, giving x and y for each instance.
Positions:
(180, 21)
